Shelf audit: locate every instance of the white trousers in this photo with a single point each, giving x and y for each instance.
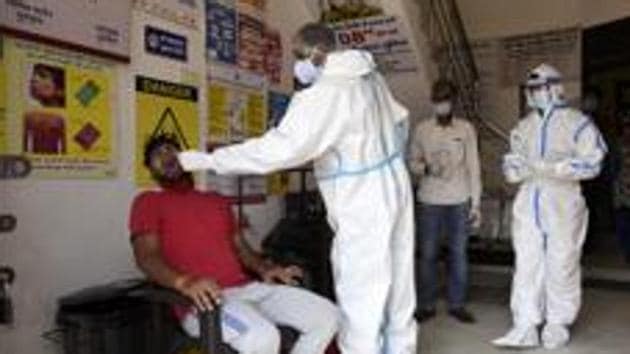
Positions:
(372, 258)
(548, 229)
(251, 313)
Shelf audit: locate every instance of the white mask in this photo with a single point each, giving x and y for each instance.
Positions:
(306, 72)
(540, 99)
(443, 108)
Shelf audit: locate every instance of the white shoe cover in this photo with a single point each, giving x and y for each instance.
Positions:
(519, 337)
(555, 336)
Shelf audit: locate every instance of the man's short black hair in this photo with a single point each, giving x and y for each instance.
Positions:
(443, 89)
(157, 141)
(316, 35)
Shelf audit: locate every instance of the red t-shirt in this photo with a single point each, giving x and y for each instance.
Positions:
(196, 231)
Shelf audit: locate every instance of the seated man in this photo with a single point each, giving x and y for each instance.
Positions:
(187, 240)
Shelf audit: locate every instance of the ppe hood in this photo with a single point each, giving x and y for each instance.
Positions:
(349, 63)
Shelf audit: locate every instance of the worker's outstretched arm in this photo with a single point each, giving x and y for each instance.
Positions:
(312, 124)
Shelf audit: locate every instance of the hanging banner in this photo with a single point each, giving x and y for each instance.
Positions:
(60, 112)
(221, 33)
(343, 10)
(384, 37)
(272, 51)
(180, 12)
(250, 44)
(101, 27)
(164, 108)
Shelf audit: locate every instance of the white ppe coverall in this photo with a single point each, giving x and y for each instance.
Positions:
(549, 156)
(354, 130)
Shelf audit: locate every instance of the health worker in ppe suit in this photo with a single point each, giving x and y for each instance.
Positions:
(551, 150)
(351, 126)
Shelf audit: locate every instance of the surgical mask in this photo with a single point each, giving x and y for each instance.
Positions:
(540, 99)
(306, 72)
(444, 108)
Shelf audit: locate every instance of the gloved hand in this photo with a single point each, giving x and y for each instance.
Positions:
(545, 169)
(194, 160)
(474, 217)
(516, 168)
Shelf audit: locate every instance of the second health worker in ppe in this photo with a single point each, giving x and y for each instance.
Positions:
(552, 149)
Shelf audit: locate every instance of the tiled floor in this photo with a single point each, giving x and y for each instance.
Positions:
(603, 327)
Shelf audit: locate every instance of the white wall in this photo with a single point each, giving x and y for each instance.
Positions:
(493, 18)
(413, 89)
(598, 12)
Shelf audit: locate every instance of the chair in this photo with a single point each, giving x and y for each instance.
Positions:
(210, 341)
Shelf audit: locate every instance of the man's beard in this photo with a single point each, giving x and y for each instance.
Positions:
(181, 180)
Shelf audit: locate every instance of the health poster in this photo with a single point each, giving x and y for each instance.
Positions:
(164, 108)
(278, 183)
(250, 44)
(61, 112)
(219, 113)
(272, 55)
(278, 104)
(383, 36)
(221, 33)
(235, 112)
(3, 101)
(255, 118)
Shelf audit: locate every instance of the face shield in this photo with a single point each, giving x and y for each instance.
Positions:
(544, 88)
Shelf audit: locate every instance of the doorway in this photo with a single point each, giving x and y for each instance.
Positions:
(606, 97)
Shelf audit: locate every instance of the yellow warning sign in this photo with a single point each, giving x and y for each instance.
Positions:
(59, 111)
(164, 107)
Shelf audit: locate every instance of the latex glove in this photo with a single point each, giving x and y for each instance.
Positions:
(474, 217)
(195, 160)
(516, 168)
(544, 169)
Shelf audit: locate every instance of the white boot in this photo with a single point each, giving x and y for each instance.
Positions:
(555, 336)
(519, 337)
